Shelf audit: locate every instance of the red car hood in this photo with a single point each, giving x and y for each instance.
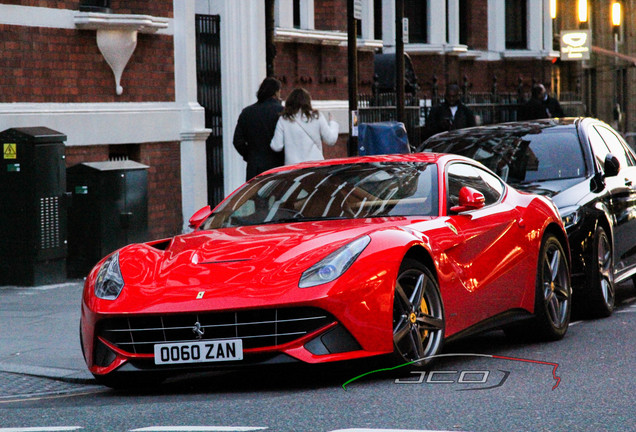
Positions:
(236, 266)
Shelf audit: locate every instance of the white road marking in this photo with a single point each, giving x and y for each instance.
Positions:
(391, 430)
(197, 429)
(42, 429)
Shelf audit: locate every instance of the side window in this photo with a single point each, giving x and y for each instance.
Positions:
(460, 175)
(615, 146)
(599, 148)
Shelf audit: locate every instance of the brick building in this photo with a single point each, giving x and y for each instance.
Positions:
(55, 72)
(194, 64)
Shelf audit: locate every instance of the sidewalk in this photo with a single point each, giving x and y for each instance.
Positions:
(39, 331)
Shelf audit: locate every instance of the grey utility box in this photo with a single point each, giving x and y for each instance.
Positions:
(33, 243)
(109, 210)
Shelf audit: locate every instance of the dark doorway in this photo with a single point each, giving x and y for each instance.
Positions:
(208, 40)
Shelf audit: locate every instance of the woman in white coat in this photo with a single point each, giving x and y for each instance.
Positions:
(301, 130)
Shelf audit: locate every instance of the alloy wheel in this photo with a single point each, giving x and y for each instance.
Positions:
(418, 315)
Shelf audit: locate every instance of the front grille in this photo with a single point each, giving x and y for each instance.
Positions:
(256, 328)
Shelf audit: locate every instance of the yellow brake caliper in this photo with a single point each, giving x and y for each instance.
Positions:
(425, 311)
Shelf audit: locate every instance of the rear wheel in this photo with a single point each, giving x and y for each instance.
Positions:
(418, 314)
(599, 294)
(553, 296)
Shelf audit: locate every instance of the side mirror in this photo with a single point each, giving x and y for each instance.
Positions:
(611, 166)
(469, 199)
(201, 215)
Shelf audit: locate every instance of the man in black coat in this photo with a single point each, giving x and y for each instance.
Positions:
(449, 115)
(255, 129)
(540, 105)
(552, 104)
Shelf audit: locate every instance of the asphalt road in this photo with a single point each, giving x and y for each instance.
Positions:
(583, 383)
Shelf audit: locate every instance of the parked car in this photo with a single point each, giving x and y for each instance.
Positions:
(589, 171)
(331, 261)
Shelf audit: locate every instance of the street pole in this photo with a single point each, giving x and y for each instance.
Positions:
(399, 60)
(352, 60)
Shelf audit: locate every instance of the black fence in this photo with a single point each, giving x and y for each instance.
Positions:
(489, 108)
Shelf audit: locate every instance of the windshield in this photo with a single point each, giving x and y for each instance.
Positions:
(520, 158)
(332, 192)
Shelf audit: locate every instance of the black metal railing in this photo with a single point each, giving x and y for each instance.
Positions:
(489, 108)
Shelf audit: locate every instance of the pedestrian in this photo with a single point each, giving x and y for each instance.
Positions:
(301, 130)
(535, 107)
(255, 129)
(451, 114)
(551, 104)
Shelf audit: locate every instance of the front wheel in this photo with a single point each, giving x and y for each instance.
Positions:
(599, 294)
(418, 315)
(553, 303)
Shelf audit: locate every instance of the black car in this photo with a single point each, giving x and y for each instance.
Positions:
(589, 171)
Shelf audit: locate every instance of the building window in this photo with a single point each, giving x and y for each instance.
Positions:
(516, 24)
(377, 19)
(95, 6)
(463, 22)
(416, 12)
(296, 6)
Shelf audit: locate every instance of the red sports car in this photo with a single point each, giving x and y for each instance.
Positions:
(329, 261)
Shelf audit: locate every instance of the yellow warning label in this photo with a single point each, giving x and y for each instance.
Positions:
(10, 151)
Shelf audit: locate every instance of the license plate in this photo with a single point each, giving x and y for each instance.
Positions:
(199, 352)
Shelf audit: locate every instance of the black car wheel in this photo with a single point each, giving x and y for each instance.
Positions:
(418, 315)
(599, 294)
(553, 290)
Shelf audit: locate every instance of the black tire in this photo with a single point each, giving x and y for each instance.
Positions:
(599, 292)
(418, 315)
(553, 300)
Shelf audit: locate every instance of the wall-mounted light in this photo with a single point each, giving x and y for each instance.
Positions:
(582, 9)
(553, 9)
(616, 14)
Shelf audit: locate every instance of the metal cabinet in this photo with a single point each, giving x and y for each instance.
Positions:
(109, 210)
(33, 242)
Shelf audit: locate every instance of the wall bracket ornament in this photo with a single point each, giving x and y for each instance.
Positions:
(117, 36)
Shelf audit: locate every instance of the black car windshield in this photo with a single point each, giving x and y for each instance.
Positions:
(519, 158)
(342, 191)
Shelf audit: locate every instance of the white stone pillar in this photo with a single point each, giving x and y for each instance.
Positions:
(536, 25)
(496, 26)
(194, 189)
(436, 19)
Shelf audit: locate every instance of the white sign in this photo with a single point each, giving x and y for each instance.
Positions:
(405, 30)
(575, 45)
(357, 9)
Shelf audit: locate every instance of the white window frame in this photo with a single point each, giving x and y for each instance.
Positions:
(539, 28)
(438, 43)
(284, 14)
(285, 31)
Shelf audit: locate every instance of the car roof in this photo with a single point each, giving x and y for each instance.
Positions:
(518, 128)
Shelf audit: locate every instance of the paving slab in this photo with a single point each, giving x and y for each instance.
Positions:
(39, 331)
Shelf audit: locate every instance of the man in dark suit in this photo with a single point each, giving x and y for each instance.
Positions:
(552, 104)
(255, 129)
(540, 105)
(451, 114)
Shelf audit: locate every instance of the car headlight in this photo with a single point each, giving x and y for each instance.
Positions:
(109, 282)
(570, 217)
(334, 265)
